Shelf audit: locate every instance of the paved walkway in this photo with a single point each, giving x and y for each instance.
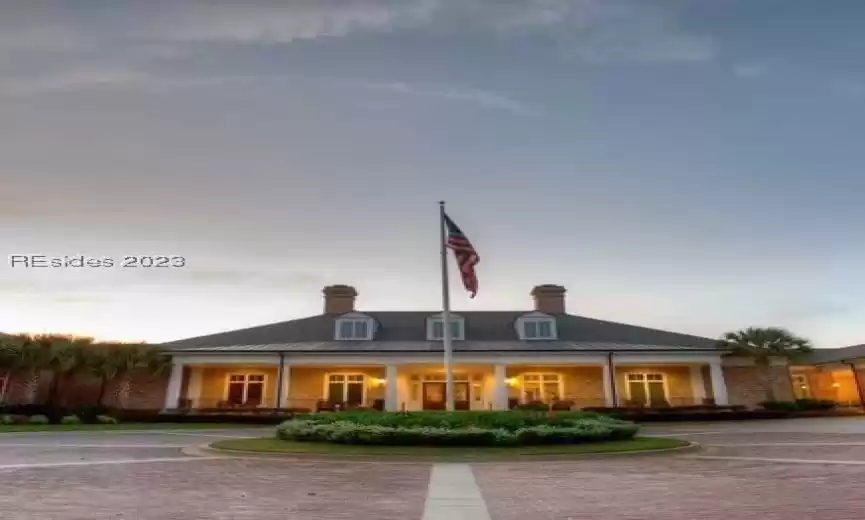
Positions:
(767, 470)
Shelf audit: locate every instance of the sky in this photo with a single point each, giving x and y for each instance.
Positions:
(686, 165)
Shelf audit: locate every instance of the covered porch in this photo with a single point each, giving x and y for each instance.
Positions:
(260, 383)
(839, 382)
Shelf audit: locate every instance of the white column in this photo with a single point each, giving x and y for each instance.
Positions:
(286, 386)
(500, 387)
(194, 391)
(698, 388)
(609, 399)
(719, 388)
(175, 381)
(391, 402)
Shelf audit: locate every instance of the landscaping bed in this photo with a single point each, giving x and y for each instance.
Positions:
(513, 428)
(14, 428)
(278, 446)
(768, 410)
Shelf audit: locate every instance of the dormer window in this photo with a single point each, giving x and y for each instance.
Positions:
(354, 327)
(536, 326)
(538, 329)
(435, 328)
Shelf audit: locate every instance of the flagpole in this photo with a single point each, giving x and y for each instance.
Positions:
(446, 315)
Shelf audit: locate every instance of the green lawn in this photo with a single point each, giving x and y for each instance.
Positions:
(273, 445)
(121, 426)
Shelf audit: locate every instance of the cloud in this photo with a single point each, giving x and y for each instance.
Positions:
(486, 99)
(595, 30)
(290, 21)
(277, 280)
(71, 80)
(156, 44)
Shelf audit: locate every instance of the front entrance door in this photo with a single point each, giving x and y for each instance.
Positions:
(434, 396)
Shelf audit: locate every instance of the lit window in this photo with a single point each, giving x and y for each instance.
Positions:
(245, 389)
(801, 388)
(543, 388)
(647, 389)
(346, 389)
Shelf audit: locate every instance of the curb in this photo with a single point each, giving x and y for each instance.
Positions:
(206, 450)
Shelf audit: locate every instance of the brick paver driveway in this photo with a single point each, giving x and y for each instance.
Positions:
(767, 470)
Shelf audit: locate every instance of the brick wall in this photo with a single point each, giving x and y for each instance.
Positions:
(783, 388)
(744, 385)
(747, 385)
(27, 388)
(142, 391)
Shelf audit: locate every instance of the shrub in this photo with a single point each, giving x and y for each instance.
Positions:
(532, 407)
(779, 405)
(38, 419)
(70, 419)
(89, 412)
(800, 404)
(816, 404)
(454, 429)
(9, 419)
(512, 420)
(105, 419)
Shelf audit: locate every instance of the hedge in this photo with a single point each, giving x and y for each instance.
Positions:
(508, 420)
(455, 429)
(800, 404)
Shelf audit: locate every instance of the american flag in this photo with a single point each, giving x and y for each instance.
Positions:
(467, 257)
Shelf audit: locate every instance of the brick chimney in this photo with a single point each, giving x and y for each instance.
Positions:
(549, 298)
(339, 299)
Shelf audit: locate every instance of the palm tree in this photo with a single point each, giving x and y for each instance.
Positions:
(156, 362)
(8, 363)
(109, 361)
(100, 360)
(67, 356)
(765, 343)
(26, 356)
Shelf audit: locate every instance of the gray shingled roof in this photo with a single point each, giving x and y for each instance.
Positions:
(834, 355)
(436, 346)
(406, 331)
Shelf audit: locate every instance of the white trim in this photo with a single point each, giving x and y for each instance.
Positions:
(363, 384)
(607, 378)
(285, 400)
(227, 359)
(500, 387)
(645, 381)
(391, 402)
(246, 374)
(407, 358)
(666, 359)
(175, 383)
(193, 392)
(719, 386)
(698, 388)
(515, 358)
